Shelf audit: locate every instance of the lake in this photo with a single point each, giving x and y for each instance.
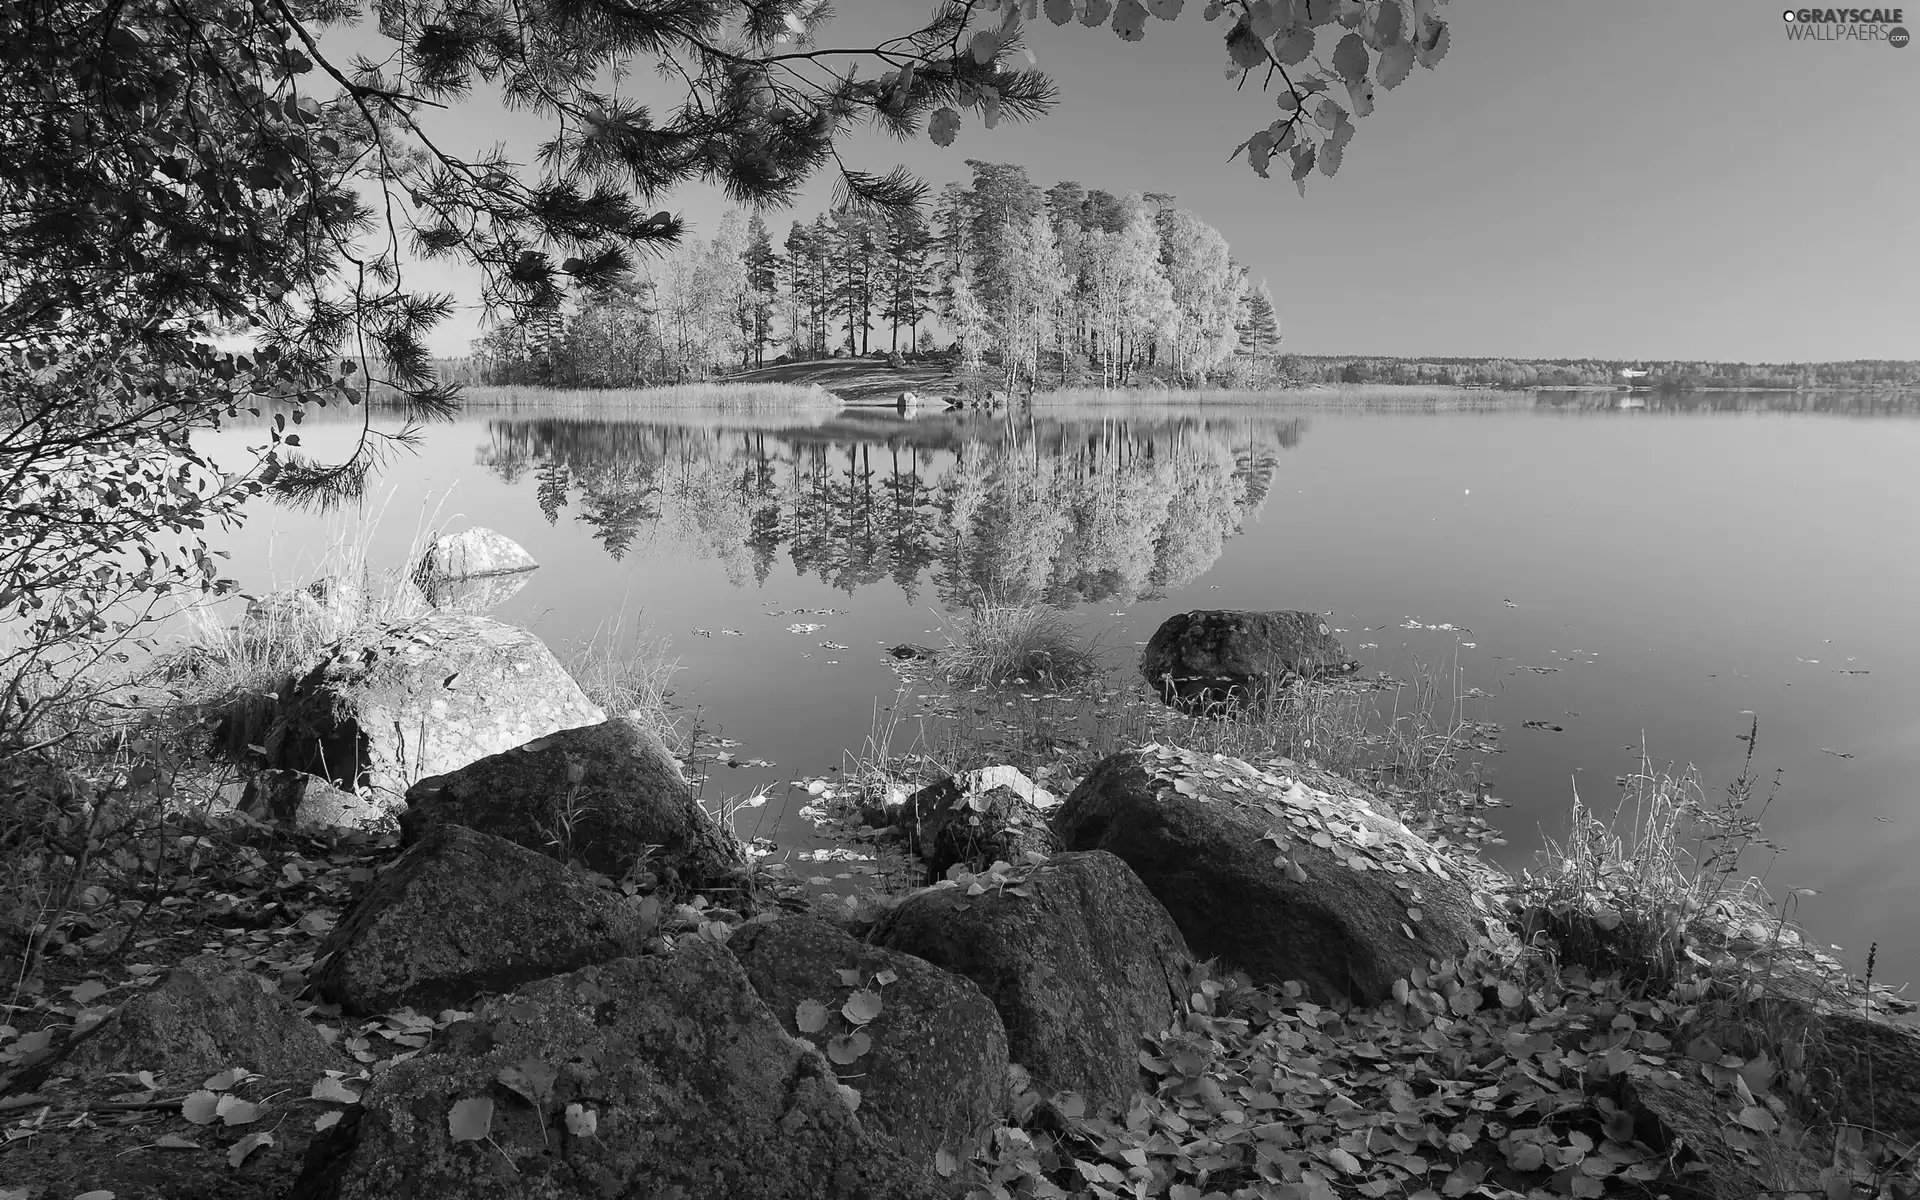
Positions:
(1667, 573)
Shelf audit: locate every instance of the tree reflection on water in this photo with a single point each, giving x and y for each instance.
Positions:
(1061, 511)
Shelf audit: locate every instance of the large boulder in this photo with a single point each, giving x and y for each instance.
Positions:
(204, 1017)
(1078, 957)
(978, 818)
(394, 704)
(309, 804)
(1208, 656)
(663, 1076)
(934, 1074)
(606, 795)
(462, 913)
(1280, 879)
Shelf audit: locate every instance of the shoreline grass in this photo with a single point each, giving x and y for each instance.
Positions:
(1000, 643)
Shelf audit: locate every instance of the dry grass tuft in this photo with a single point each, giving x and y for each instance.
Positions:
(1000, 643)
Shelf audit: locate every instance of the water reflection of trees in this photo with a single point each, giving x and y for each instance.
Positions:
(1061, 512)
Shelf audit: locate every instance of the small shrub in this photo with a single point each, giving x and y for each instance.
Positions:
(1002, 643)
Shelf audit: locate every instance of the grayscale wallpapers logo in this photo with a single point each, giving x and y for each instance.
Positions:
(1847, 25)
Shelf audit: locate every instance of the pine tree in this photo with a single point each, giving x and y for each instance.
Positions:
(763, 287)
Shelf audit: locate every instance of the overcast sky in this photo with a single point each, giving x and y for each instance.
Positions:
(1636, 179)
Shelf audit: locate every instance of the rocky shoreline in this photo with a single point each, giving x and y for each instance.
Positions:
(1194, 976)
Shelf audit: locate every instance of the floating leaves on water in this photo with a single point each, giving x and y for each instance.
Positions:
(1548, 726)
(804, 627)
(246, 1146)
(470, 1120)
(810, 1016)
(1836, 753)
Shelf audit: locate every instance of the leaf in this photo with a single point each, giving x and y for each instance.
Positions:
(582, 1121)
(326, 1121)
(984, 46)
(224, 1080)
(247, 1145)
(861, 1007)
(88, 992)
(1395, 63)
(810, 1016)
(232, 1110)
(1059, 11)
(1350, 58)
(199, 1107)
(849, 977)
(1388, 26)
(1758, 1119)
(1526, 1156)
(848, 1049)
(333, 1091)
(100, 1194)
(944, 126)
(945, 1163)
(1511, 995)
(1130, 20)
(470, 1120)
(531, 1079)
(1166, 10)
(1293, 49)
(885, 977)
(1433, 43)
(171, 1141)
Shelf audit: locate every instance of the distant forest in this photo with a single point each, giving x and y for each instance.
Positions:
(1668, 376)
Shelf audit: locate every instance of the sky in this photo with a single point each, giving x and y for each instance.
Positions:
(1639, 179)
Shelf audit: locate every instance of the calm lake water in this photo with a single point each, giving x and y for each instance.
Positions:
(1624, 574)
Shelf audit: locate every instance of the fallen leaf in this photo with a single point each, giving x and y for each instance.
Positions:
(582, 1121)
(861, 1007)
(247, 1145)
(232, 1110)
(810, 1016)
(200, 1107)
(334, 1092)
(170, 1141)
(471, 1119)
(326, 1120)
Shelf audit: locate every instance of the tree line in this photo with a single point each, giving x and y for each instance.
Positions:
(1668, 375)
(1066, 284)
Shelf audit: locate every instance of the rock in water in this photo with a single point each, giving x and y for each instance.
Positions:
(1280, 879)
(934, 1073)
(1213, 656)
(394, 704)
(476, 551)
(473, 570)
(608, 795)
(1078, 957)
(463, 912)
(663, 1076)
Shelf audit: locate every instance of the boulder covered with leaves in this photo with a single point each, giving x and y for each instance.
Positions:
(1078, 957)
(463, 912)
(1214, 656)
(977, 818)
(309, 804)
(924, 1047)
(653, 1076)
(1278, 878)
(608, 796)
(394, 704)
(204, 1016)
